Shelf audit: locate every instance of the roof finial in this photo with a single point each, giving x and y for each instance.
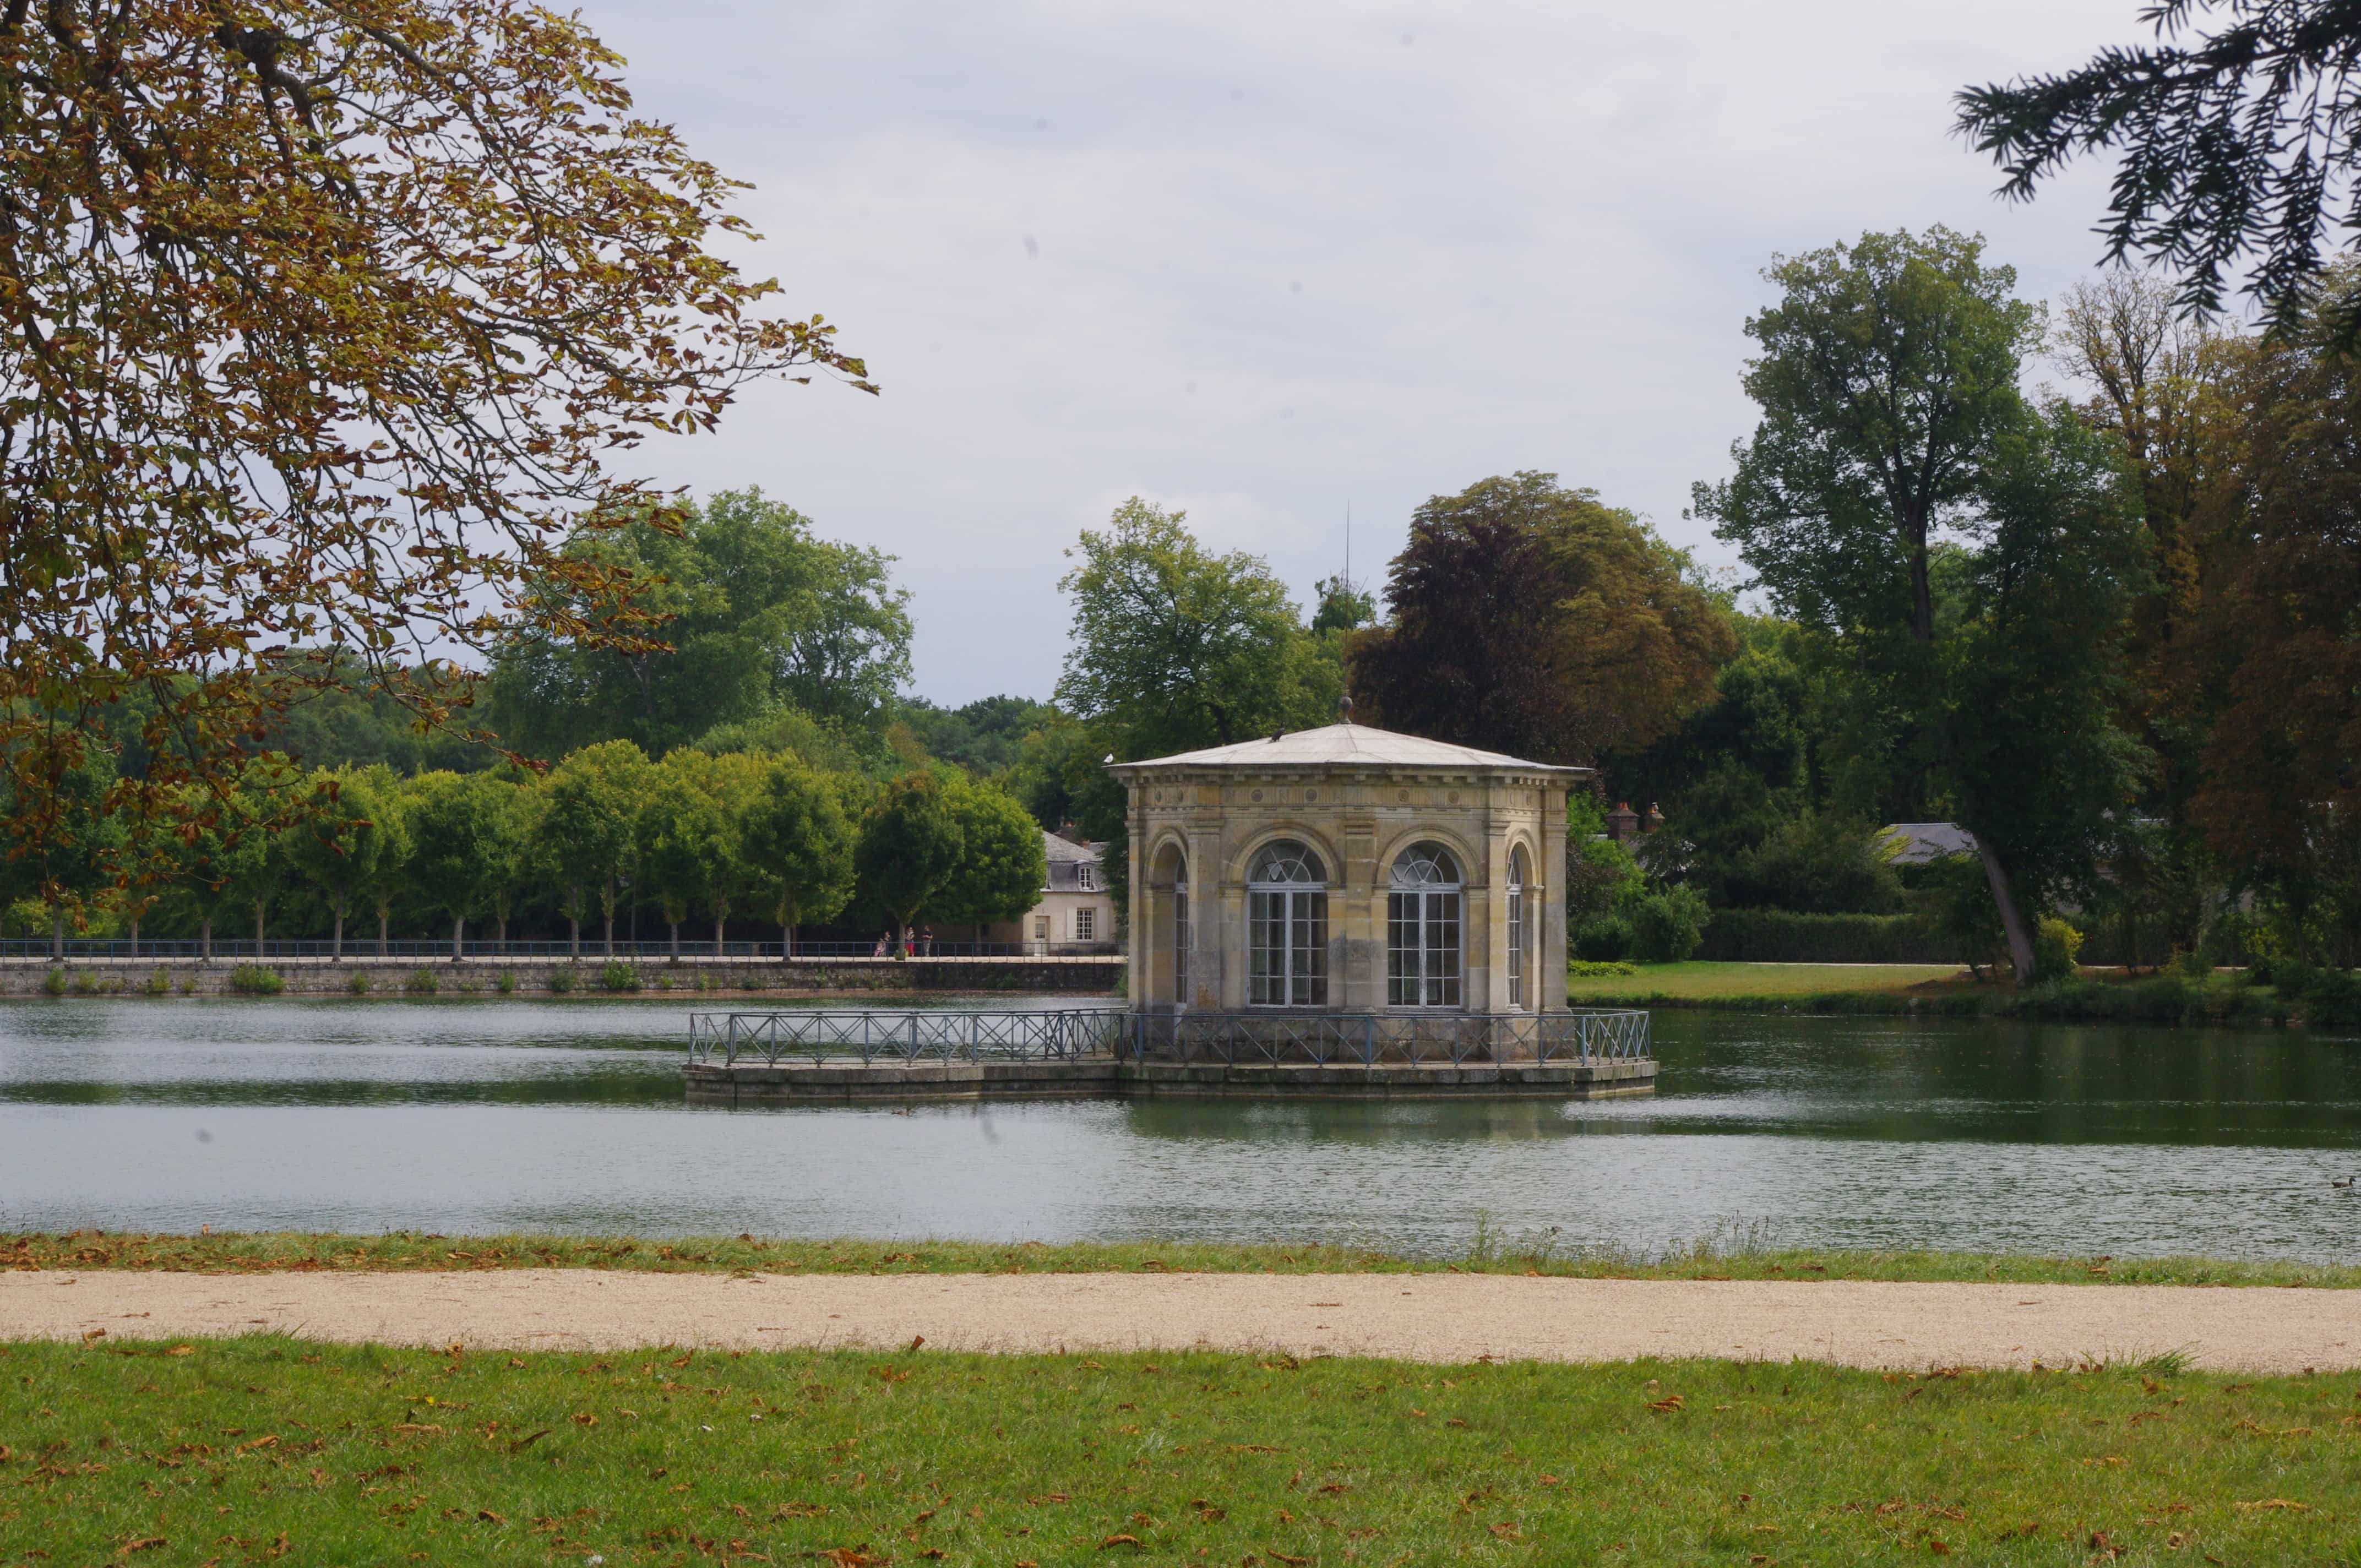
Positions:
(1345, 707)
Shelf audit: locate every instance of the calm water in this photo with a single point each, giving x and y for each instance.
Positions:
(478, 1116)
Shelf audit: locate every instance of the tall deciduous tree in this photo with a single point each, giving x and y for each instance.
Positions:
(1902, 500)
(1175, 647)
(910, 847)
(461, 849)
(2034, 759)
(1532, 619)
(750, 612)
(589, 829)
(318, 321)
(1887, 372)
(2279, 641)
(692, 834)
(339, 841)
(798, 848)
(1002, 864)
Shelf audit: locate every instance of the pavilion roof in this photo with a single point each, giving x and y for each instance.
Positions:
(1345, 745)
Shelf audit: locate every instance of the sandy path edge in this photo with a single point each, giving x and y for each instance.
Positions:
(1432, 1318)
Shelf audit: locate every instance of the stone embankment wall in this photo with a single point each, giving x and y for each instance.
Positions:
(368, 977)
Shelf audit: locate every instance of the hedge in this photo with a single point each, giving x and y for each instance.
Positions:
(1782, 936)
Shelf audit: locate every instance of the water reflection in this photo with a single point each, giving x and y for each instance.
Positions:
(569, 1115)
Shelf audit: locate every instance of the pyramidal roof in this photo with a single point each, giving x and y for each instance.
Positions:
(1344, 745)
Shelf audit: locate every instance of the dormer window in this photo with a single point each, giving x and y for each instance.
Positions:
(1086, 877)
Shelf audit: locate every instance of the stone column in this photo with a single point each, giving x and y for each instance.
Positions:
(1357, 913)
(1484, 920)
(1549, 900)
(1140, 926)
(1211, 901)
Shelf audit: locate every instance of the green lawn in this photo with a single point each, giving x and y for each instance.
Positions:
(1732, 1255)
(270, 1450)
(1703, 980)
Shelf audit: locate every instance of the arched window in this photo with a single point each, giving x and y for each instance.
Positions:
(1287, 928)
(1423, 928)
(1519, 928)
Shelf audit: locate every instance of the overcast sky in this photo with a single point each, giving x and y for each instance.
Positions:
(1261, 261)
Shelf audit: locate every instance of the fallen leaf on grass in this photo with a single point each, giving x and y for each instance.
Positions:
(521, 1445)
(181, 1350)
(144, 1543)
(1283, 1557)
(270, 1441)
(1132, 1540)
(586, 1420)
(2271, 1503)
(89, 1334)
(489, 1517)
(1506, 1531)
(1668, 1403)
(418, 1427)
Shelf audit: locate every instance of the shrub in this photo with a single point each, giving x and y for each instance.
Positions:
(158, 984)
(422, 982)
(1819, 864)
(1667, 925)
(54, 983)
(86, 983)
(253, 980)
(663, 981)
(1586, 969)
(507, 981)
(1783, 936)
(2193, 964)
(1605, 938)
(360, 983)
(620, 976)
(561, 979)
(2056, 945)
(188, 985)
(2330, 999)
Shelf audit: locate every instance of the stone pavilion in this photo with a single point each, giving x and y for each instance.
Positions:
(1347, 870)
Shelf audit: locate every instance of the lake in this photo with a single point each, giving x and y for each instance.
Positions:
(567, 1115)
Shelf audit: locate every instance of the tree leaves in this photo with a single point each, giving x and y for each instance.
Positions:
(310, 345)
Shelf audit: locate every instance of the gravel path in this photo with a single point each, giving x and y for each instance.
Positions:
(1434, 1318)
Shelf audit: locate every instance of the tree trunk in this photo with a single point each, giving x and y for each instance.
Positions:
(716, 936)
(675, 939)
(2012, 919)
(336, 943)
(258, 930)
(458, 932)
(135, 936)
(58, 935)
(500, 933)
(384, 919)
(205, 940)
(574, 921)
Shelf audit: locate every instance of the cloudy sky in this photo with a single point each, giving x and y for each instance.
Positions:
(1264, 262)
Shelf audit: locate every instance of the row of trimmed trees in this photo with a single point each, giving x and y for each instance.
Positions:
(716, 835)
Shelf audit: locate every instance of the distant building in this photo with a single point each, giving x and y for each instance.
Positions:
(1075, 905)
(1924, 844)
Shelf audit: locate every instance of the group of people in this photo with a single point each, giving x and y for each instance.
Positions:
(913, 942)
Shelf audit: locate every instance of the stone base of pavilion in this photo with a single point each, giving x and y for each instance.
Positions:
(860, 1059)
(894, 1082)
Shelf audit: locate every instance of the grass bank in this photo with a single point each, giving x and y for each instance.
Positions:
(269, 1450)
(1733, 1253)
(1940, 989)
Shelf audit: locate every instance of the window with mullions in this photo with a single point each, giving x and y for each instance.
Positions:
(1287, 928)
(1181, 936)
(1519, 961)
(1423, 928)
